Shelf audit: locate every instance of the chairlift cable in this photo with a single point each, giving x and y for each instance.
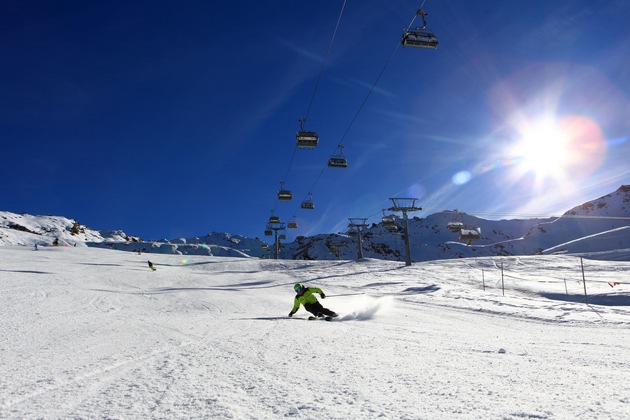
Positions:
(417, 14)
(286, 175)
(374, 85)
(340, 144)
(352, 121)
(321, 72)
(368, 94)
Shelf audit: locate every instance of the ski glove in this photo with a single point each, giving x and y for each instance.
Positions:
(290, 314)
(323, 296)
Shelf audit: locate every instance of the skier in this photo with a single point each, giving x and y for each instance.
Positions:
(151, 266)
(306, 297)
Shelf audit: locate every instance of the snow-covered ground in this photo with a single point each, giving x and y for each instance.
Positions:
(93, 333)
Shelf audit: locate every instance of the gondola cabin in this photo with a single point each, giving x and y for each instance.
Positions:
(420, 38)
(292, 224)
(470, 235)
(285, 195)
(308, 205)
(264, 247)
(282, 237)
(389, 222)
(306, 139)
(268, 232)
(337, 162)
(455, 226)
(274, 220)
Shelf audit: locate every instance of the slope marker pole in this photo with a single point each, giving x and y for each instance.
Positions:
(502, 281)
(584, 281)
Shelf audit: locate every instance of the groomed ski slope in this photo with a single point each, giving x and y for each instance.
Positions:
(93, 333)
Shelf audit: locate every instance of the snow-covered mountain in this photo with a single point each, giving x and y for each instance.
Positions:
(599, 228)
(25, 229)
(596, 227)
(215, 244)
(28, 230)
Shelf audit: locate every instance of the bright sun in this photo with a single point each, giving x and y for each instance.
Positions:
(543, 149)
(570, 148)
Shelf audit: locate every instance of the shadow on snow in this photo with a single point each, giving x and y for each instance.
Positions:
(419, 290)
(603, 299)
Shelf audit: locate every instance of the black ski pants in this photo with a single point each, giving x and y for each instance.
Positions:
(317, 308)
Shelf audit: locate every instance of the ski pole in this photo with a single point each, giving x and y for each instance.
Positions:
(345, 294)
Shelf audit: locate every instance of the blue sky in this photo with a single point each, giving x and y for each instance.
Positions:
(174, 119)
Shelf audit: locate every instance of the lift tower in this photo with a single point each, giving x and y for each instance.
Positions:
(357, 224)
(405, 205)
(275, 227)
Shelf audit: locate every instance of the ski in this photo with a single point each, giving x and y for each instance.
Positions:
(326, 318)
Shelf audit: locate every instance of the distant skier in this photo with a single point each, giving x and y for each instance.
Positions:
(151, 266)
(306, 297)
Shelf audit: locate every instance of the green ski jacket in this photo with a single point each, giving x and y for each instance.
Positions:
(306, 297)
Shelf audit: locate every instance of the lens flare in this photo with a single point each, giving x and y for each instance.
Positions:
(461, 177)
(570, 148)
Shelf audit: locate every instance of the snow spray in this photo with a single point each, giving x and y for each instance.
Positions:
(362, 307)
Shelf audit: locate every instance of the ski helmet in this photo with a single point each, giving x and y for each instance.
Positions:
(297, 287)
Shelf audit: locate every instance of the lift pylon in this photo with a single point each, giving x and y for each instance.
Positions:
(357, 224)
(405, 205)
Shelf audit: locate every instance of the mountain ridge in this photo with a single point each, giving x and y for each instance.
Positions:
(599, 226)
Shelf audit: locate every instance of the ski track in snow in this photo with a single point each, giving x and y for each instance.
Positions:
(92, 333)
